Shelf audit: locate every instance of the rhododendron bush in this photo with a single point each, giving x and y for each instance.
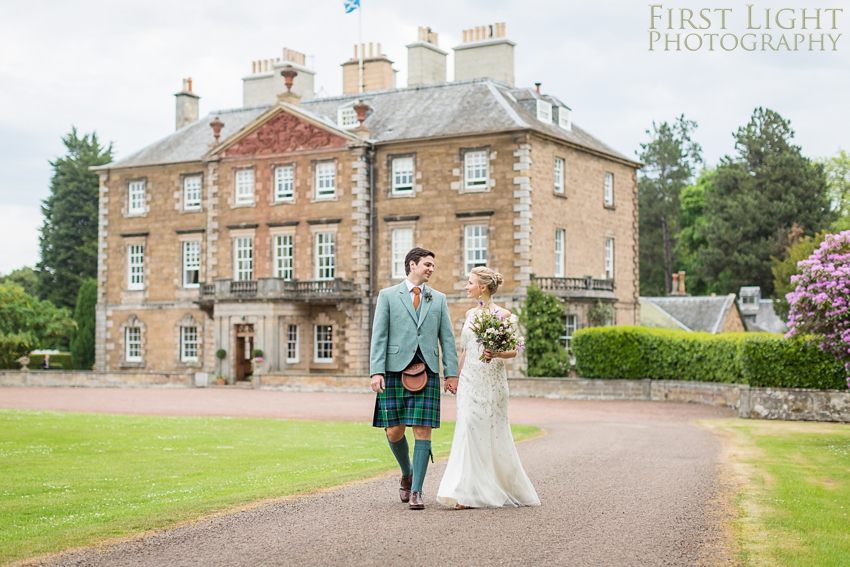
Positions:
(820, 304)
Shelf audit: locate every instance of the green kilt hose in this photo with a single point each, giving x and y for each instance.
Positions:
(397, 406)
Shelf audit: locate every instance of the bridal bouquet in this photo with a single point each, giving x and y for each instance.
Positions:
(496, 333)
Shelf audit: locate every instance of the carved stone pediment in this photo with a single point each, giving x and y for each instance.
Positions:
(284, 133)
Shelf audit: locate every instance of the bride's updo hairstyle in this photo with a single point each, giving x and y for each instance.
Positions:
(487, 277)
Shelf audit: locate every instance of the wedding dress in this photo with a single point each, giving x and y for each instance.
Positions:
(484, 470)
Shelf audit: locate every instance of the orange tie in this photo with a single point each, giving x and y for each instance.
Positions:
(416, 292)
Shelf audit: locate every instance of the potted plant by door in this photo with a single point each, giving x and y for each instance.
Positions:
(220, 355)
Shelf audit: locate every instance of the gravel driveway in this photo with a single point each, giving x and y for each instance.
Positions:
(621, 483)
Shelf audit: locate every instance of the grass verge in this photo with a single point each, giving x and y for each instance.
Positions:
(793, 498)
(72, 479)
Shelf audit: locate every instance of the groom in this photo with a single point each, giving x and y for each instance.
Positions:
(410, 319)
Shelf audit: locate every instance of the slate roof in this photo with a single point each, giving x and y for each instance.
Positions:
(767, 321)
(704, 314)
(191, 142)
(477, 106)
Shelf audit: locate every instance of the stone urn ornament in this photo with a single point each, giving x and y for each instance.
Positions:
(24, 361)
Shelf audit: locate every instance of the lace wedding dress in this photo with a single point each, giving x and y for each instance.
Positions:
(484, 470)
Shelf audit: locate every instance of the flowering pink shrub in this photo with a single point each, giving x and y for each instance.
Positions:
(820, 304)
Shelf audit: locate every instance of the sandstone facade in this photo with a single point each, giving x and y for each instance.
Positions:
(305, 317)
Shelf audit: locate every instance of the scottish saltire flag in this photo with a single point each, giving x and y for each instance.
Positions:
(351, 5)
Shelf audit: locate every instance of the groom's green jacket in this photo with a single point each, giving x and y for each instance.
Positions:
(398, 331)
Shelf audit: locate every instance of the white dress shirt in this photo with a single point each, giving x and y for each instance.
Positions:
(410, 287)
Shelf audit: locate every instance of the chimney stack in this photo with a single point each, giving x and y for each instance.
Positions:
(426, 63)
(485, 52)
(187, 105)
(678, 285)
(265, 84)
(378, 72)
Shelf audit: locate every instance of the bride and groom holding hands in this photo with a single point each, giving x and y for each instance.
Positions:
(411, 320)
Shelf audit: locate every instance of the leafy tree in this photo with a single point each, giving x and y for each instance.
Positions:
(82, 339)
(671, 157)
(692, 228)
(27, 323)
(600, 315)
(837, 169)
(783, 270)
(69, 235)
(24, 277)
(542, 316)
(755, 199)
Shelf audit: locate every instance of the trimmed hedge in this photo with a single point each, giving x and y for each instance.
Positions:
(757, 359)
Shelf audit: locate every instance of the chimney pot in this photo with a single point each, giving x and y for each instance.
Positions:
(537, 86)
(682, 282)
(189, 84)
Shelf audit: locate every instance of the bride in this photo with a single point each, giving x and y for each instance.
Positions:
(484, 470)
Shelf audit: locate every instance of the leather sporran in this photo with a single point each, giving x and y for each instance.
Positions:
(414, 378)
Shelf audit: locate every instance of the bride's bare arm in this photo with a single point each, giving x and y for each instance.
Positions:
(460, 362)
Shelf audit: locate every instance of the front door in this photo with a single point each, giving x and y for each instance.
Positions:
(244, 348)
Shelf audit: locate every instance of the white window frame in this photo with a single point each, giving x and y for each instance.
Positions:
(188, 344)
(136, 197)
(560, 256)
(284, 256)
(544, 111)
(133, 344)
(191, 262)
(475, 239)
(608, 189)
(325, 180)
(292, 343)
(243, 258)
(402, 243)
(325, 340)
(244, 187)
(192, 189)
(346, 117)
(476, 170)
(565, 120)
(402, 175)
(284, 183)
(560, 167)
(609, 258)
(325, 255)
(570, 328)
(136, 266)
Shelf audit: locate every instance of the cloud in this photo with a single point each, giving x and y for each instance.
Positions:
(114, 66)
(19, 231)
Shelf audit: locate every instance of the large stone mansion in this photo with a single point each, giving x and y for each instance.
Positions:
(273, 226)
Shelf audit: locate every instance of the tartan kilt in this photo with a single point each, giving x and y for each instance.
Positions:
(407, 408)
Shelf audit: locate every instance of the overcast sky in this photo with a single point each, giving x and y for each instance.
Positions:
(113, 67)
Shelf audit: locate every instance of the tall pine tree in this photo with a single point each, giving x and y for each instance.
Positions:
(69, 235)
(671, 158)
(82, 338)
(756, 199)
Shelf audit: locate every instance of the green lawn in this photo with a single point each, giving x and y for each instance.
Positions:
(70, 479)
(795, 498)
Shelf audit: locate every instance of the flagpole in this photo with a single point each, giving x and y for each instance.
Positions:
(360, 50)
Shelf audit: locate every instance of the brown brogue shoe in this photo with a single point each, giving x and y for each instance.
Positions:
(404, 490)
(416, 502)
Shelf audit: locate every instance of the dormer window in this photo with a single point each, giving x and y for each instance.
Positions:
(564, 119)
(346, 117)
(544, 111)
